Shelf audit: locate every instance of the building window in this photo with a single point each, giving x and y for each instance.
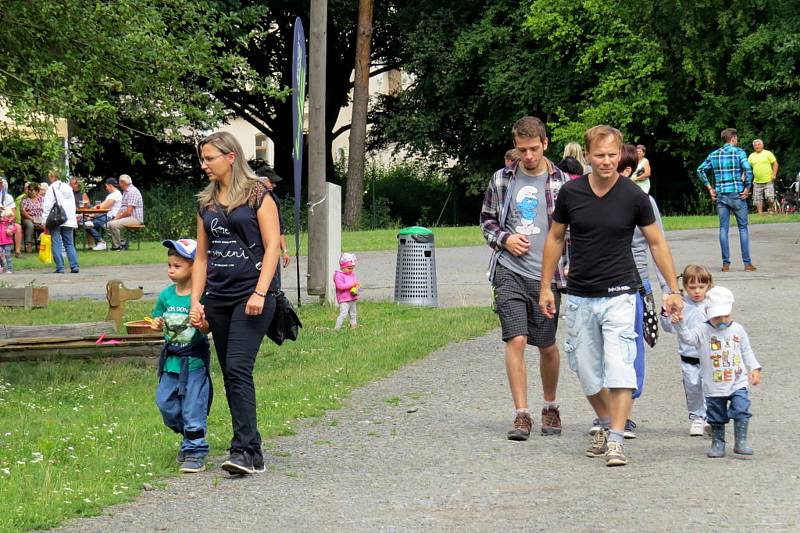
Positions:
(261, 147)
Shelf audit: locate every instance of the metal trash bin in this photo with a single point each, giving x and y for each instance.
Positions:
(415, 274)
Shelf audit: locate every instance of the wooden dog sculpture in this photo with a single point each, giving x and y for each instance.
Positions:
(117, 294)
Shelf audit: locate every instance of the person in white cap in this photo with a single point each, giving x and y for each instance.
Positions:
(729, 367)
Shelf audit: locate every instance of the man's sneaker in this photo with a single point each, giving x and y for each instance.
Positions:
(99, 246)
(89, 224)
(240, 462)
(726, 267)
(596, 426)
(258, 463)
(615, 456)
(123, 245)
(697, 428)
(599, 445)
(192, 464)
(522, 427)
(750, 267)
(181, 456)
(630, 429)
(551, 421)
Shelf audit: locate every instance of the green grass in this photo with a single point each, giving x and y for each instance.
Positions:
(78, 436)
(368, 241)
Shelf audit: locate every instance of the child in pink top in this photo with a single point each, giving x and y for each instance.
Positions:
(6, 239)
(347, 287)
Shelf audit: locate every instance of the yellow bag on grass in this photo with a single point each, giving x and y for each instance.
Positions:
(45, 248)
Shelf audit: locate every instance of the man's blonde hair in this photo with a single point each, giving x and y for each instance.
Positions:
(600, 132)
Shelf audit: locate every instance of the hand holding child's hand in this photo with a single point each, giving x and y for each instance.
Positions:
(196, 316)
(157, 323)
(755, 377)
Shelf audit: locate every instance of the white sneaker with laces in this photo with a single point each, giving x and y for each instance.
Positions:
(99, 246)
(697, 428)
(89, 224)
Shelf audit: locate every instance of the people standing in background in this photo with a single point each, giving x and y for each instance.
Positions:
(765, 172)
(641, 176)
(574, 150)
(63, 235)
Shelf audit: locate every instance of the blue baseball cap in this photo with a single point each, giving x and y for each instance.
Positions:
(184, 247)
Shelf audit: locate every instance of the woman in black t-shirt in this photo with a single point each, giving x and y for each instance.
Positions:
(233, 286)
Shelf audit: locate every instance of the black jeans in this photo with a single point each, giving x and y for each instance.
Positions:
(237, 337)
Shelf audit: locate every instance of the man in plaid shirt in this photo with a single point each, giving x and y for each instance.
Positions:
(733, 178)
(131, 212)
(515, 218)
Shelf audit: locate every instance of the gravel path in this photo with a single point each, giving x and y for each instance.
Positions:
(438, 459)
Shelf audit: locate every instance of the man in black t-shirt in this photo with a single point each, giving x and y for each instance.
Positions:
(602, 212)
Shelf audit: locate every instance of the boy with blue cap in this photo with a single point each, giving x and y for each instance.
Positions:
(184, 390)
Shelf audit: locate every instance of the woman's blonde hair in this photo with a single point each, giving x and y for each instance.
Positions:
(574, 150)
(243, 179)
(697, 274)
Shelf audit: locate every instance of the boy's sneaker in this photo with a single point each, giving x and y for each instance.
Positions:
(599, 445)
(193, 464)
(99, 246)
(522, 427)
(181, 457)
(698, 427)
(615, 456)
(630, 429)
(240, 462)
(551, 421)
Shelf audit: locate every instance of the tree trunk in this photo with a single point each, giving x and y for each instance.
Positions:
(358, 129)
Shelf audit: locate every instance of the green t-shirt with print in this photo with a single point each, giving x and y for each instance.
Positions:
(174, 308)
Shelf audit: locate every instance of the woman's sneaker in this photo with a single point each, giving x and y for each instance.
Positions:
(697, 428)
(630, 429)
(240, 462)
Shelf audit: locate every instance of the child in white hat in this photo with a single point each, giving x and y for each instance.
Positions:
(729, 367)
(347, 287)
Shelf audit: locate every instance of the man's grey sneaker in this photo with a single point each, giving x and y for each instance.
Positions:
(599, 445)
(630, 429)
(522, 427)
(240, 462)
(192, 464)
(615, 456)
(258, 463)
(596, 426)
(181, 456)
(551, 421)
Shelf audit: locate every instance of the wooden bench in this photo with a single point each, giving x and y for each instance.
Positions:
(137, 230)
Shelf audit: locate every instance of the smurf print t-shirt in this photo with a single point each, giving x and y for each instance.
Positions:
(527, 215)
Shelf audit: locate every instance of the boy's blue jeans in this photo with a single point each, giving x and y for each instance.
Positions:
(186, 414)
(718, 410)
(726, 204)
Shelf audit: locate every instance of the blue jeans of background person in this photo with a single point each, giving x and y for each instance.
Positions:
(237, 338)
(720, 409)
(638, 326)
(186, 415)
(63, 236)
(98, 222)
(726, 204)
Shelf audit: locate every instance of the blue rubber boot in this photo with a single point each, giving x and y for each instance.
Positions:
(740, 433)
(717, 441)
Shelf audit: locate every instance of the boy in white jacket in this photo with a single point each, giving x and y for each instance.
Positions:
(729, 367)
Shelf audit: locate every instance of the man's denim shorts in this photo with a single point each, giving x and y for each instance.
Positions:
(601, 341)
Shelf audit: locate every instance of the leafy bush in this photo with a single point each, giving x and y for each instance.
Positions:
(170, 211)
(409, 193)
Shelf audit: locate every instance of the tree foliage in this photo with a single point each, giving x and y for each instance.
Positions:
(670, 75)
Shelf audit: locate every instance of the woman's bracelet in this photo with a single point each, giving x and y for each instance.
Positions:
(263, 294)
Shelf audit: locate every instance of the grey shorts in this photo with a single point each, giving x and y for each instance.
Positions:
(516, 300)
(764, 191)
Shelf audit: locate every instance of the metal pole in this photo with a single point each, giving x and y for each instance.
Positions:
(317, 219)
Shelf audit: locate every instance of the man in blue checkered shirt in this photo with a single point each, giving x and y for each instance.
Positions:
(733, 178)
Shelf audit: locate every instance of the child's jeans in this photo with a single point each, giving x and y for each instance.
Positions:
(693, 387)
(720, 412)
(186, 415)
(6, 253)
(345, 309)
